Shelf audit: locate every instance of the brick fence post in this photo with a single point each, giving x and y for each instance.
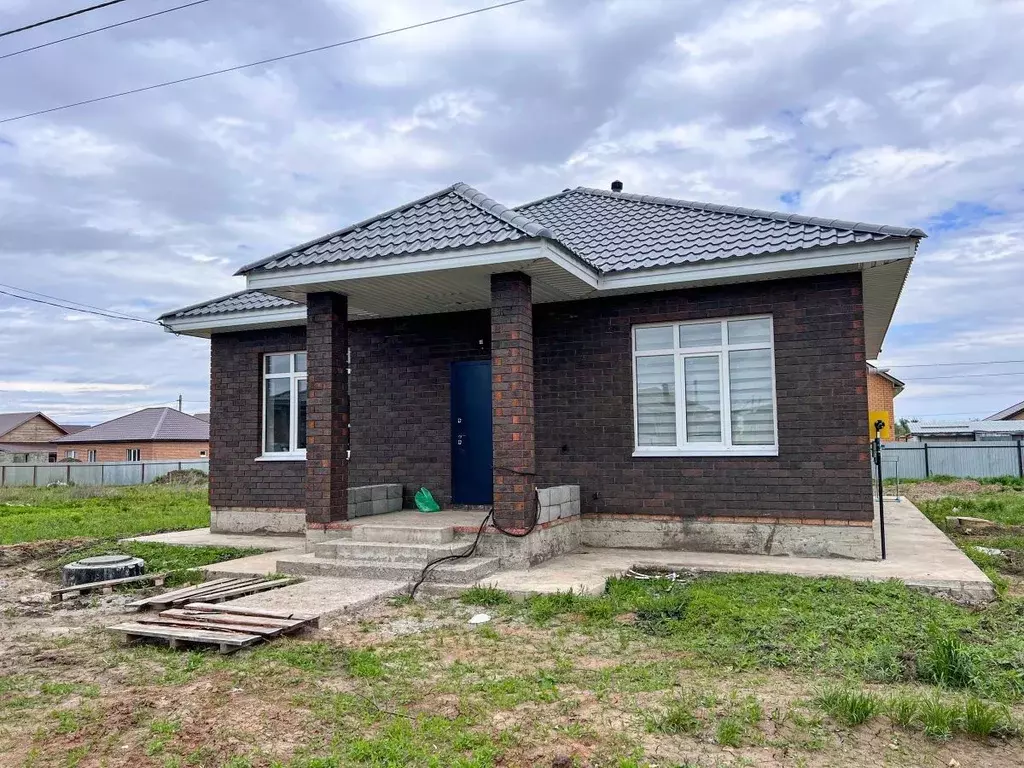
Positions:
(512, 400)
(327, 411)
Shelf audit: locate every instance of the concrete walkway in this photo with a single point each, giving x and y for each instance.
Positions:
(203, 537)
(919, 554)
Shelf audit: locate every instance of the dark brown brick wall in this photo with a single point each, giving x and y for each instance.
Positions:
(512, 396)
(236, 424)
(585, 403)
(399, 391)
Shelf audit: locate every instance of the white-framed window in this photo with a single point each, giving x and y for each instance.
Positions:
(284, 405)
(70, 454)
(90, 455)
(705, 388)
(202, 454)
(133, 454)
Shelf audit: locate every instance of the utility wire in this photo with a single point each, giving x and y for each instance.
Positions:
(938, 365)
(270, 60)
(101, 29)
(78, 309)
(70, 301)
(44, 22)
(968, 376)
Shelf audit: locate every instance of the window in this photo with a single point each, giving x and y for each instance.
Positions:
(90, 455)
(202, 454)
(69, 454)
(705, 388)
(133, 454)
(284, 405)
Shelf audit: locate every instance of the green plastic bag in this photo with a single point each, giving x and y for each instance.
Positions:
(425, 501)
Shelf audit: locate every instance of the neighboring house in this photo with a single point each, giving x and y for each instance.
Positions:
(202, 417)
(882, 390)
(25, 438)
(1013, 413)
(697, 370)
(152, 434)
(967, 431)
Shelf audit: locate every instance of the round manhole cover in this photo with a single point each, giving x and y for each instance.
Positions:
(104, 560)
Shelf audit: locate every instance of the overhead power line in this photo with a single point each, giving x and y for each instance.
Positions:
(968, 376)
(44, 22)
(70, 301)
(271, 60)
(101, 29)
(60, 304)
(945, 365)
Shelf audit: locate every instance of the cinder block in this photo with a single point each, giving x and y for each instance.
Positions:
(394, 491)
(395, 504)
(560, 494)
(360, 494)
(378, 492)
(574, 493)
(544, 496)
(379, 506)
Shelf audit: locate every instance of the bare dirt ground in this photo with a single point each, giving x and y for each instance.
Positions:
(405, 685)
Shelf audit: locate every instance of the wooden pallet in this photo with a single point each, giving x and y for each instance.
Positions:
(226, 627)
(210, 592)
(104, 587)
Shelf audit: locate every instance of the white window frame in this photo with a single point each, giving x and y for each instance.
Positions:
(71, 454)
(725, 447)
(90, 455)
(293, 453)
(133, 454)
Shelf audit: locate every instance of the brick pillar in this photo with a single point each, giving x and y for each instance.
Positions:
(512, 400)
(327, 438)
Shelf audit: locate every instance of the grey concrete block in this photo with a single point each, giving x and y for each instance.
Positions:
(544, 496)
(360, 493)
(378, 492)
(574, 493)
(560, 494)
(379, 506)
(395, 503)
(394, 491)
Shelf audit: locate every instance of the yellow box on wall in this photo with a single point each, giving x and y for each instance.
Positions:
(874, 416)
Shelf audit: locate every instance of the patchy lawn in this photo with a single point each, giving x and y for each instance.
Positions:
(722, 670)
(37, 514)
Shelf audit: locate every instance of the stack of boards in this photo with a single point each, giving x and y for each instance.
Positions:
(196, 616)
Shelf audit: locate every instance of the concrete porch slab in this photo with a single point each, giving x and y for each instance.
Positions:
(323, 597)
(919, 554)
(462, 520)
(203, 537)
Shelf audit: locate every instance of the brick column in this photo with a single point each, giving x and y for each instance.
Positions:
(327, 438)
(512, 400)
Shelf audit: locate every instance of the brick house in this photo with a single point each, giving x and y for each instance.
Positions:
(152, 434)
(882, 390)
(1013, 413)
(597, 367)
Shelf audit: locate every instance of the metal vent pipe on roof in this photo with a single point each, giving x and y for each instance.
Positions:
(616, 186)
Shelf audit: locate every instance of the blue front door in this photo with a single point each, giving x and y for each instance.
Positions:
(471, 433)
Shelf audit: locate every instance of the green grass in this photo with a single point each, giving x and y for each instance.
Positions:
(37, 514)
(848, 706)
(1006, 508)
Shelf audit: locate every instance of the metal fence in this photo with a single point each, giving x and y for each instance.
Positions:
(909, 461)
(94, 473)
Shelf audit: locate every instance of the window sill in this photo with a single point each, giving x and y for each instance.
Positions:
(281, 457)
(755, 450)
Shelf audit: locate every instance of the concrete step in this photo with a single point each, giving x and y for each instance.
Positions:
(463, 571)
(403, 534)
(386, 552)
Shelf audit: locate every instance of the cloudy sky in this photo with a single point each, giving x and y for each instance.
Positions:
(908, 113)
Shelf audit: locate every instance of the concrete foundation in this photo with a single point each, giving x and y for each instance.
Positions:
(746, 538)
(558, 531)
(258, 521)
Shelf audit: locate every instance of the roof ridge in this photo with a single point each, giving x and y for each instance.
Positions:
(734, 210)
(508, 215)
(160, 422)
(344, 230)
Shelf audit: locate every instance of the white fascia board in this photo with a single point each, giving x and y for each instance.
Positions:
(570, 264)
(398, 265)
(204, 325)
(759, 268)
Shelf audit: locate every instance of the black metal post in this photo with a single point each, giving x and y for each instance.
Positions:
(879, 425)
(927, 469)
(1020, 459)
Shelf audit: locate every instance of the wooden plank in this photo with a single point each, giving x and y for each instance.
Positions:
(244, 611)
(106, 586)
(161, 621)
(247, 589)
(202, 592)
(211, 636)
(230, 618)
(180, 592)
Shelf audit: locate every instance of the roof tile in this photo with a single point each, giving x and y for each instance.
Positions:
(147, 424)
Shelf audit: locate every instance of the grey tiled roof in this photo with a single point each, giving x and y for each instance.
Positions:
(147, 424)
(242, 301)
(618, 231)
(456, 217)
